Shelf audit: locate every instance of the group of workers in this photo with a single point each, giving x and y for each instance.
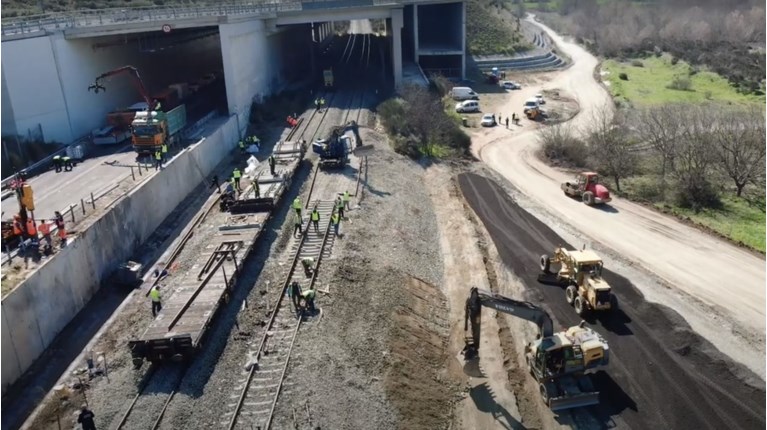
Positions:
(62, 163)
(160, 156)
(31, 230)
(341, 204)
(319, 103)
(248, 141)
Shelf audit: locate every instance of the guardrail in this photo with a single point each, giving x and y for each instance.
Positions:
(43, 164)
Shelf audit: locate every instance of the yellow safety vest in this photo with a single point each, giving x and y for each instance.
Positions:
(315, 216)
(158, 155)
(346, 196)
(339, 203)
(335, 218)
(154, 293)
(236, 174)
(164, 148)
(242, 145)
(297, 203)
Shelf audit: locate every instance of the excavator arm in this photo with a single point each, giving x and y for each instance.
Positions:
(97, 85)
(525, 310)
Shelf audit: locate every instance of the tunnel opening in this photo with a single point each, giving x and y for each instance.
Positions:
(178, 68)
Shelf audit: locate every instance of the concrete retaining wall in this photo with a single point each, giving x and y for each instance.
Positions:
(38, 309)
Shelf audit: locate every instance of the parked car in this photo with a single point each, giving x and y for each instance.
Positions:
(463, 93)
(488, 120)
(511, 85)
(467, 106)
(539, 98)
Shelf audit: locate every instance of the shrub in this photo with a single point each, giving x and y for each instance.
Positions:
(674, 60)
(623, 77)
(680, 83)
(637, 63)
(560, 144)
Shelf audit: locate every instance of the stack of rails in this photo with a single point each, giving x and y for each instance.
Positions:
(193, 298)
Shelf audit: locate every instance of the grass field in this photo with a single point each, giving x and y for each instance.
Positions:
(491, 31)
(648, 84)
(738, 220)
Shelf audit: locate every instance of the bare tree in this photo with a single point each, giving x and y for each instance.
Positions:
(661, 128)
(695, 160)
(611, 147)
(740, 145)
(559, 142)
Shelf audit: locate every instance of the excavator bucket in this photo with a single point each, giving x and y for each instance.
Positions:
(574, 401)
(363, 150)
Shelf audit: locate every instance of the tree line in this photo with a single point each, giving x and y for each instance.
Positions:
(693, 153)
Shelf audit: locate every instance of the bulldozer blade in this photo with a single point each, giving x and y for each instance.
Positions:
(574, 401)
(363, 150)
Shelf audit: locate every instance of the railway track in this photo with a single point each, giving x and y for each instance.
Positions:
(260, 386)
(169, 378)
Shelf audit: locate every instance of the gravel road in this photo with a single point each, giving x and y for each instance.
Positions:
(726, 280)
(662, 374)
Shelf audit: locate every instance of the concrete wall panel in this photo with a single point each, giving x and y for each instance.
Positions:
(33, 87)
(38, 309)
(8, 125)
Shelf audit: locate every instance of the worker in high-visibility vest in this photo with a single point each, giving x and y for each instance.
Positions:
(67, 161)
(31, 228)
(61, 228)
(242, 146)
(154, 294)
(45, 229)
(18, 228)
(297, 205)
(315, 218)
(236, 175)
(336, 221)
(57, 163)
(347, 198)
(164, 152)
(158, 159)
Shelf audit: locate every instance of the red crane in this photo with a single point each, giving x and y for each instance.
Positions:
(96, 86)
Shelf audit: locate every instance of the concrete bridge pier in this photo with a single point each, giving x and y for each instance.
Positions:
(396, 31)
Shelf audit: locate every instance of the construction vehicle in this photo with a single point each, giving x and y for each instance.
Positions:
(586, 186)
(559, 362)
(493, 77)
(328, 76)
(581, 272)
(152, 128)
(335, 149)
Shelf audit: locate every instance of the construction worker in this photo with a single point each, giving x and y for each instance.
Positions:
(297, 205)
(315, 218)
(57, 163)
(31, 228)
(86, 418)
(308, 297)
(214, 183)
(346, 199)
(294, 292)
(322, 102)
(256, 188)
(18, 228)
(164, 152)
(340, 206)
(308, 264)
(45, 230)
(297, 221)
(154, 294)
(507, 122)
(336, 221)
(316, 104)
(236, 175)
(242, 146)
(67, 163)
(60, 227)
(271, 164)
(158, 159)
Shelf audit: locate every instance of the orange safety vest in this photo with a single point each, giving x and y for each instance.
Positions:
(45, 228)
(31, 229)
(17, 228)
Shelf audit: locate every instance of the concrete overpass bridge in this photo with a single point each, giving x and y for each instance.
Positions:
(253, 45)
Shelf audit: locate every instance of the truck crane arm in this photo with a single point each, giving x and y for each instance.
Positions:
(97, 85)
(525, 310)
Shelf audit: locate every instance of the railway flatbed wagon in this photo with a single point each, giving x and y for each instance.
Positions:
(194, 298)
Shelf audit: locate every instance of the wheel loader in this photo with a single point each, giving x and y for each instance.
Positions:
(559, 361)
(581, 273)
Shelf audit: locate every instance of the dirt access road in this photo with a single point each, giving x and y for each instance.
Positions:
(661, 374)
(728, 282)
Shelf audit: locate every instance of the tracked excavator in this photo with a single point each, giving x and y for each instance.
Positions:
(558, 361)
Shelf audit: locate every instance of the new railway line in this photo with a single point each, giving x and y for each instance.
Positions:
(222, 268)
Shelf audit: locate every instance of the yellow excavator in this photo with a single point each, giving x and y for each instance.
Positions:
(558, 361)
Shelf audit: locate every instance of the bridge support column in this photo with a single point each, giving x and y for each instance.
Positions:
(463, 40)
(415, 32)
(396, 29)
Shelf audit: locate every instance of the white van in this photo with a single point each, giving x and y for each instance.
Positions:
(467, 106)
(530, 104)
(463, 93)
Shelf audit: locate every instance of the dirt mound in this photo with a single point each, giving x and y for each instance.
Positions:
(418, 344)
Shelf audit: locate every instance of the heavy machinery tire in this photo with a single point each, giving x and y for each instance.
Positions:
(588, 198)
(544, 393)
(571, 293)
(545, 263)
(613, 302)
(580, 307)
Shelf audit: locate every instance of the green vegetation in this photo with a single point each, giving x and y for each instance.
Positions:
(492, 29)
(419, 126)
(660, 81)
(738, 219)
